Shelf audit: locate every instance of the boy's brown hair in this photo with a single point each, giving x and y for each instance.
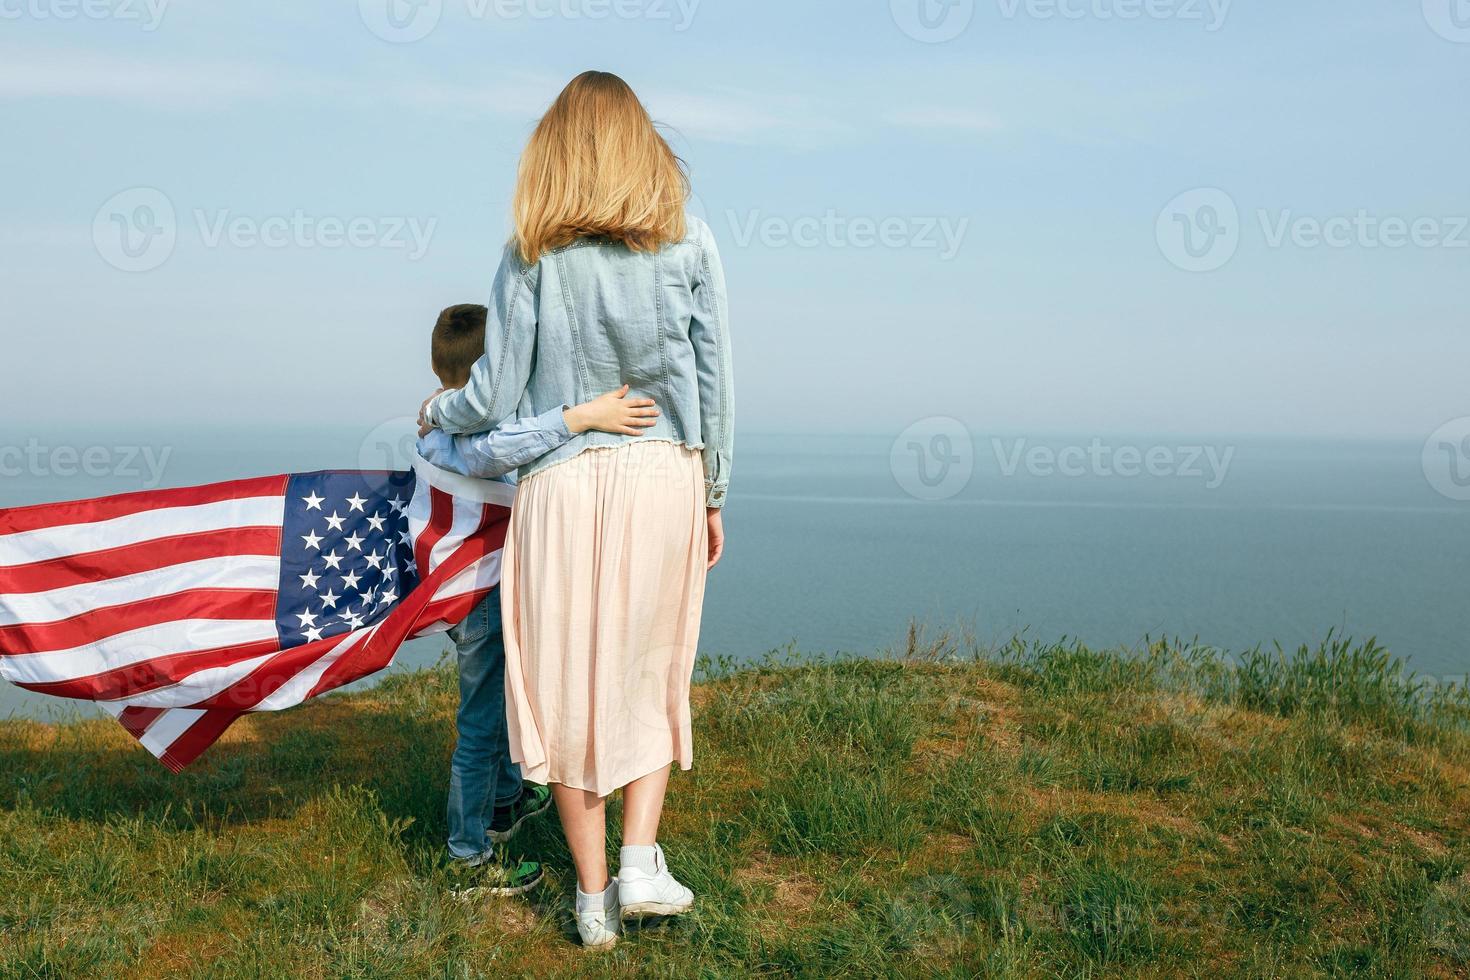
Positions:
(459, 340)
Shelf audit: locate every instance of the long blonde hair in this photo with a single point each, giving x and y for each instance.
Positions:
(596, 166)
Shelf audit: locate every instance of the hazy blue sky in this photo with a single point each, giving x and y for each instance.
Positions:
(1029, 276)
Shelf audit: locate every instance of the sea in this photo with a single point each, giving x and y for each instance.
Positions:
(836, 544)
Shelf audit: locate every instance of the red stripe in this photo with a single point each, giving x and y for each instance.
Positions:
(150, 675)
(197, 737)
(18, 519)
(362, 660)
(137, 720)
(452, 610)
(441, 519)
(266, 679)
(97, 624)
(144, 556)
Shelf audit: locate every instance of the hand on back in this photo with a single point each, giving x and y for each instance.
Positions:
(613, 412)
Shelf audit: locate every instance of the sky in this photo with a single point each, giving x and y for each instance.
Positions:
(1101, 216)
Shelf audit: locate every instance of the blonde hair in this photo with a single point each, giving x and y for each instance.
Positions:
(596, 166)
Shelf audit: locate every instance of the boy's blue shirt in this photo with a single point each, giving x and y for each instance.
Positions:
(497, 454)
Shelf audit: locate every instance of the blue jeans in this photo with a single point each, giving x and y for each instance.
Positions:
(481, 775)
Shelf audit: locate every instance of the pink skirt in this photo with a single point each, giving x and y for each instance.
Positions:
(601, 593)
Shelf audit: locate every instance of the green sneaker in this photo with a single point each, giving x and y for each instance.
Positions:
(506, 821)
(488, 875)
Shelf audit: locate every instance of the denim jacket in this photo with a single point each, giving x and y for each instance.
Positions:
(592, 316)
(497, 454)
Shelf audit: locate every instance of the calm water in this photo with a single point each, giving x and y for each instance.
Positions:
(828, 551)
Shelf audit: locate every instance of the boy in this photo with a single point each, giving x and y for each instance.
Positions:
(481, 773)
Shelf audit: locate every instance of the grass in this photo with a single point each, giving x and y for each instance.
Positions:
(1033, 811)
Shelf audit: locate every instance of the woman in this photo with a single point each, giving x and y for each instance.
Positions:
(606, 282)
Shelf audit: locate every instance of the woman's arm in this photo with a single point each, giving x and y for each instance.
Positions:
(710, 335)
(499, 377)
(511, 445)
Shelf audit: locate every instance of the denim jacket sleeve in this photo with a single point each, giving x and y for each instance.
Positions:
(499, 377)
(710, 335)
(508, 447)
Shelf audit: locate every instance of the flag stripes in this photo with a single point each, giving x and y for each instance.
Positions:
(180, 610)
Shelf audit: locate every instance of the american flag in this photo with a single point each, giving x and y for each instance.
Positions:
(180, 610)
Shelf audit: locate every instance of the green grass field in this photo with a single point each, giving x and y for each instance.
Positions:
(1030, 812)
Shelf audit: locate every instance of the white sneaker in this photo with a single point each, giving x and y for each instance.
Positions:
(642, 894)
(597, 917)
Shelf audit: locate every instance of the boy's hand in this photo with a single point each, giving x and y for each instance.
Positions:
(613, 412)
(424, 427)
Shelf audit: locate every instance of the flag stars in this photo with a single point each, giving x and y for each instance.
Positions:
(357, 502)
(310, 579)
(307, 618)
(312, 633)
(329, 599)
(377, 521)
(335, 521)
(375, 560)
(351, 579)
(354, 541)
(313, 540)
(313, 502)
(333, 560)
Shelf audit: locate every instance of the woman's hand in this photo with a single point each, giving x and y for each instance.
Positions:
(613, 412)
(424, 427)
(716, 536)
